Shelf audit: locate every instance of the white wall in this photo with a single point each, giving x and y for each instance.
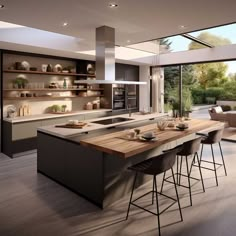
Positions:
(144, 90)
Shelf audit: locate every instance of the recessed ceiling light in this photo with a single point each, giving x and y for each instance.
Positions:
(182, 27)
(128, 41)
(65, 24)
(1, 6)
(113, 5)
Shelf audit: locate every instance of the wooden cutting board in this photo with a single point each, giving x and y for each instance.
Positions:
(72, 126)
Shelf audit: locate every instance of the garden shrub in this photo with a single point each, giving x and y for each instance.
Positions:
(198, 95)
(226, 107)
(228, 92)
(214, 92)
(210, 100)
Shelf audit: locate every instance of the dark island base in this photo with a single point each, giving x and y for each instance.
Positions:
(99, 177)
(12, 147)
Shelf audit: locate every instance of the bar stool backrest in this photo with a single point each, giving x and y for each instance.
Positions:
(164, 161)
(214, 136)
(190, 147)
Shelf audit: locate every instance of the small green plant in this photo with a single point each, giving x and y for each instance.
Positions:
(20, 82)
(63, 108)
(55, 108)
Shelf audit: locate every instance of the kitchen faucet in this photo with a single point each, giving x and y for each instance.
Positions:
(129, 109)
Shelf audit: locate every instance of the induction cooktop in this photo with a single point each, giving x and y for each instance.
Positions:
(111, 121)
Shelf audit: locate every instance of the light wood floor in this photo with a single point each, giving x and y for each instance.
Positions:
(31, 205)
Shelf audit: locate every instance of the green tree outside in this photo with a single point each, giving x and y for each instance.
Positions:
(210, 74)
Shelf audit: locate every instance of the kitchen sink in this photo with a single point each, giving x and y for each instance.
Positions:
(111, 121)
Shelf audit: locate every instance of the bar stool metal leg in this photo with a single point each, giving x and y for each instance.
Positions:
(131, 195)
(163, 180)
(177, 167)
(158, 213)
(213, 157)
(189, 185)
(193, 162)
(222, 158)
(180, 170)
(153, 188)
(201, 154)
(200, 171)
(177, 195)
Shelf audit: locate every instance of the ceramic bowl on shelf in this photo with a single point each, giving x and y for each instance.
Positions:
(57, 68)
(90, 69)
(25, 65)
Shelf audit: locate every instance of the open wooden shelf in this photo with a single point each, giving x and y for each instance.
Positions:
(45, 89)
(96, 89)
(48, 97)
(47, 73)
(56, 90)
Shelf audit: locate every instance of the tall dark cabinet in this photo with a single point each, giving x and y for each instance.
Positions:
(126, 96)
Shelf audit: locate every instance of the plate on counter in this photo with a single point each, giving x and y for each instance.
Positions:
(148, 140)
(129, 138)
(181, 128)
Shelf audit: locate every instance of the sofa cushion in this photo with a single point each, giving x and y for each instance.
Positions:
(217, 109)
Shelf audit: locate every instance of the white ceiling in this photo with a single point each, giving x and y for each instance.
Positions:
(134, 20)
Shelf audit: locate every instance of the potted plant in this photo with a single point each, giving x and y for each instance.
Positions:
(63, 108)
(188, 103)
(20, 82)
(55, 108)
(175, 108)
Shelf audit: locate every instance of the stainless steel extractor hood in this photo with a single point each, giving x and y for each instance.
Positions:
(105, 59)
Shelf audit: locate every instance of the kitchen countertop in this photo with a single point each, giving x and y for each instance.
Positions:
(116, 144)
(51, 116)
(67, 132)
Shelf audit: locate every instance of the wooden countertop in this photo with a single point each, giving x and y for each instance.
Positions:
(115, 143)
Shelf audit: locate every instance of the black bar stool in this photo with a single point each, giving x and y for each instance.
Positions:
(213, 137)
(189, 148)
(155, 166)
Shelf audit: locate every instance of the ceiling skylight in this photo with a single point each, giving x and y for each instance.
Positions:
(227, 34)
(123, 53)
(6, 25)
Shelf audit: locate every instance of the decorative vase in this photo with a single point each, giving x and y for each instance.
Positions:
(44, 67)
(49, 68)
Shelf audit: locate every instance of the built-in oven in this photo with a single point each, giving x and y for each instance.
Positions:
(132, 101)
(119, 98)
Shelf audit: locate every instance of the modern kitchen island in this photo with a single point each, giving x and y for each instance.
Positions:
(93, 162)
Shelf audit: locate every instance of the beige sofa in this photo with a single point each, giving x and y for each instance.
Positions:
(216, 113)
(231, 118)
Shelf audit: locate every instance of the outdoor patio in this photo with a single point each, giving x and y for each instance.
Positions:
(201, 112)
